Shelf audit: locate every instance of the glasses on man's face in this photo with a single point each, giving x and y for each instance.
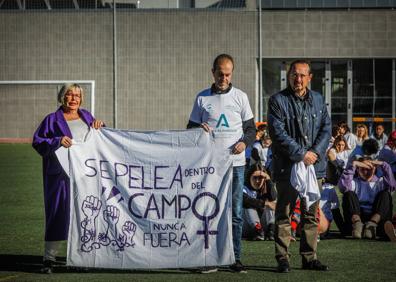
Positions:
(75, 96)
(299, 75)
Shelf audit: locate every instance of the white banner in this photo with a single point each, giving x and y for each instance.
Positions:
(149, 200)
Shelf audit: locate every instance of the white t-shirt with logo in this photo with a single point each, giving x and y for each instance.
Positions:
(224, 113)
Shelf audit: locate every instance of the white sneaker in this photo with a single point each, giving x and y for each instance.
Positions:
(370, 230)
(208, 269)
(357, 229)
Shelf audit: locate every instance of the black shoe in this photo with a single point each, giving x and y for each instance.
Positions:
(48, 267)
(283, 266)
(238, 267)
(315, 265)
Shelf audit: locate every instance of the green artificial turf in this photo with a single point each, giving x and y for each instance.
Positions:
(21, 242)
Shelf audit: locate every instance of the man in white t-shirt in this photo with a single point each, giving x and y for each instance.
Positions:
(225, 111)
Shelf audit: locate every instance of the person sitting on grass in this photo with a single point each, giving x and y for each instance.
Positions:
(361, 134)
(348, 135)
(388, 152)
(322, 218)
(337, 156)
(259, 200)
(369, 148)
(261, 152)
(379, 135)
(367, 200)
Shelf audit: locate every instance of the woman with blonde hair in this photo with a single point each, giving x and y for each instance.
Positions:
(338, 156)
(361, 134)
(68, 124)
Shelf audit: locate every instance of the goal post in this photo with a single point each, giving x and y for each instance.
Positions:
(26, 102)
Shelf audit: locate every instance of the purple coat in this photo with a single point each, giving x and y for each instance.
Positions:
(46, 141)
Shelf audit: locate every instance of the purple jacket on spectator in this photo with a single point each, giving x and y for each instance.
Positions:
(387, 155)
(46, 141)
(367, 191)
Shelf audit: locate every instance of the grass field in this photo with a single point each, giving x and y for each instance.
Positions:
(21, 242)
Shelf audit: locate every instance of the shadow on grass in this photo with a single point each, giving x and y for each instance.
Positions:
(20, 263)
(261, 268)
(33, 264)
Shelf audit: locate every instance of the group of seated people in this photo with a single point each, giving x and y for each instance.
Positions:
(361, 168)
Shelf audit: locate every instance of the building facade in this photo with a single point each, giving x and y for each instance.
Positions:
(163, 57)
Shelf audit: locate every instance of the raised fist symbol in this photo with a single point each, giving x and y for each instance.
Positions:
(111, 215)
(129, 229)
(91, 207)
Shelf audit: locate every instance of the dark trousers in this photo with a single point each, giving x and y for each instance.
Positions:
(382, 205)
(286, 201)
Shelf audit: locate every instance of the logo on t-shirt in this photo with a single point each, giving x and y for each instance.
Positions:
(222, 121)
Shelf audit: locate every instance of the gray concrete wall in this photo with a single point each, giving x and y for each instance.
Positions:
(332, 33)
(164, 57)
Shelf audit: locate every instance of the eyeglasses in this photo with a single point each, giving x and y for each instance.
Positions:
(75, 96)
(294, 75)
